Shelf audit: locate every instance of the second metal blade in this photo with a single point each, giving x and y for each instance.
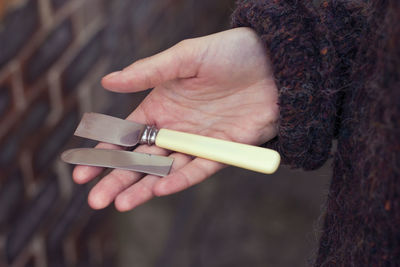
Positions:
(119, 159)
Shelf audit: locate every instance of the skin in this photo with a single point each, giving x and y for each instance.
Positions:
(220, 85)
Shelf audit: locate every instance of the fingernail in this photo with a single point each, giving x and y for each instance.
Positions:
(111, 75)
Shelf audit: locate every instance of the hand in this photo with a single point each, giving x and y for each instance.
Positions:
(219, 85)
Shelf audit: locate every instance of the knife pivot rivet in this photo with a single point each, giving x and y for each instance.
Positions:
(149, 135)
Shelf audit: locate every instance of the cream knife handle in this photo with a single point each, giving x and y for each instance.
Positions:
(249, 157)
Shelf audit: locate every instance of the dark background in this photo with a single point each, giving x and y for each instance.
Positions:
(53, 54)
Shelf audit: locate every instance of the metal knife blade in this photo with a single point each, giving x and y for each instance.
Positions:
(119, 159)
(109, 129)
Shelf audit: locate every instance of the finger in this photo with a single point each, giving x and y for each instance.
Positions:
(142, 191)
(105, 191)
(190, 174)
(136, 194)
(175, 62)
(83, 174)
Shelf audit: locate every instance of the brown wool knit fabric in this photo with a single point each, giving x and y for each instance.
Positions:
(337, 67)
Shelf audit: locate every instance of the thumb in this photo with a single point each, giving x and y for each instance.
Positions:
(173, 63)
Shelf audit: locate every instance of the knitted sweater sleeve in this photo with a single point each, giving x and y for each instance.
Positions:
(311, 67)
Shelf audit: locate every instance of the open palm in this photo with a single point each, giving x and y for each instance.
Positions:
(219, 85)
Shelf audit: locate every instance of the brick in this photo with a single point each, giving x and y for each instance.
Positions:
(56, 258)
(32, 122)
(31, 263)
(17, 28)
(82, 63)
(96, 222)
(30, 219)
(49, 51)
(5, 100)
(8, 151)
(91, 10)
(68, 217)
(165, 22)
(36, 115)
(76, 209)
(58, 3)
(119, 46)
(84, 262)
(11, 197)
(50, 146)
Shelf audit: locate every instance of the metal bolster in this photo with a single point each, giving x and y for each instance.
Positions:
(149, 135)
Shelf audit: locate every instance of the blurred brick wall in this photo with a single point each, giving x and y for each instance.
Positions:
(52, 56)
